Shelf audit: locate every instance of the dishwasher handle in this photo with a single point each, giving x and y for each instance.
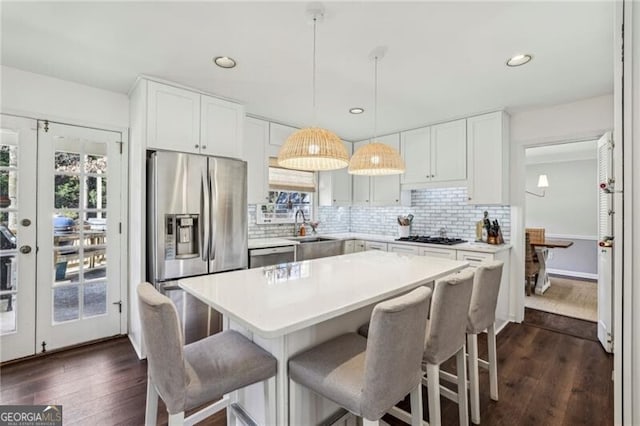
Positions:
(271, 250)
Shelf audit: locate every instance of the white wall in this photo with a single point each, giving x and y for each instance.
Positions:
(42, 97)
(580, 120)
(570, 204)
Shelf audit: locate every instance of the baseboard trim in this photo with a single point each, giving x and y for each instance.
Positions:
(565, 273)
(136, 348)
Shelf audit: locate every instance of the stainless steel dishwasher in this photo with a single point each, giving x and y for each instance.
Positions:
(271, 256)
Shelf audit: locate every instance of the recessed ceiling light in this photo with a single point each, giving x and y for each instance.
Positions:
(356, 110)
(224, 62)
(517, 60)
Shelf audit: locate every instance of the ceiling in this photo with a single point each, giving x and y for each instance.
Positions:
(444, 60)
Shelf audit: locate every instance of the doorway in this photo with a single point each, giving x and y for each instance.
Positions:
(60, 235)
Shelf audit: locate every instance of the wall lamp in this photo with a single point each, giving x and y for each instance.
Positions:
(543, 182)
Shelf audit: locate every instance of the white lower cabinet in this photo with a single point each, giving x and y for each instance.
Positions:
(358, 245)
(403, 248)
(374, 245)
(349, 246)
(438, 252)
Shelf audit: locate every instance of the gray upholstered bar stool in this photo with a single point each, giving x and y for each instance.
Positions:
(369, 376)
(188, 376)
(481, 317)
(445, 337)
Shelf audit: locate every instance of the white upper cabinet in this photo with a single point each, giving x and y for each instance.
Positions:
(221, 126)
(378, 190)
(360, 183)
(279, 133)
(488, 157)
(435, 155)
(256, 139)
(186, 121)
(416, 152)
(173, 120)
(385, 190)
(334, 187)
(449, 151)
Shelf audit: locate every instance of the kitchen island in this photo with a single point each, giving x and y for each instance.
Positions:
(288, 309)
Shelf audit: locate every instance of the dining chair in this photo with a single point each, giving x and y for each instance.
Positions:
(369, 376)
(531, 266)
(185, 377)
(481, 317)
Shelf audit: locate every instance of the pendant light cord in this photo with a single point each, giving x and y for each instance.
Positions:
(375, 100)
(315, 19)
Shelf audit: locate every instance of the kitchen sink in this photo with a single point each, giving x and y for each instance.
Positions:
(317, 247)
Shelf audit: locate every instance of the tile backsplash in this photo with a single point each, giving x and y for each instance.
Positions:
(432, 209)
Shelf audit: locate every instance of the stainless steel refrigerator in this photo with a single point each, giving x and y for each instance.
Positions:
(197, 224)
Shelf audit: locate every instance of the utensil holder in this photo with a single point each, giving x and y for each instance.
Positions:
(404, 231)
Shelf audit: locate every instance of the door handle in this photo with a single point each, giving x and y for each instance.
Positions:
(25, 249)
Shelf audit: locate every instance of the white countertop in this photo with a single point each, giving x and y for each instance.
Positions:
(273, 302)
(470, 246)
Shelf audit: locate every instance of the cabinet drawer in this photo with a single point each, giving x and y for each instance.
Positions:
(438, 252)
(473, 257)
(372, 245)
(401, 248)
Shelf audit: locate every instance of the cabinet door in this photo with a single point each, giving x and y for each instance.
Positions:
(416, 152)
(449, 151)
(360, 183)
(385, 190)
(221, 126)
(438, 252)
(334, 187)
(358, 245)
(374, 245)
(256, 136)
(403, 248)
(349, 247)
(278, 133)
(173, 118)
(488, 158)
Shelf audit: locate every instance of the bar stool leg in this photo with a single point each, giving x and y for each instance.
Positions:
(270, 398)
(433, 393)
(151, 412)
(493, 362)
(474, 391)
(176, 419)
(416, 405)
(461, 367)
(366, 422)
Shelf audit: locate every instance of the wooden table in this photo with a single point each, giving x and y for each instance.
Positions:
(288, 309)
(542, 250)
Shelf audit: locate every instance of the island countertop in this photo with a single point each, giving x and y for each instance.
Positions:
(272, 302)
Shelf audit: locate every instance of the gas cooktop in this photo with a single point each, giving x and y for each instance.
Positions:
(432, 240)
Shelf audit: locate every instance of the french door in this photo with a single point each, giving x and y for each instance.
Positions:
(63, 269)
(18, 148)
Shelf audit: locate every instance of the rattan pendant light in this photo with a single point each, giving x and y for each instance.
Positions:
(313, 148)
(376, 158)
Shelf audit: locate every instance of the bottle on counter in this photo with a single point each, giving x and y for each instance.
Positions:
(303, 230)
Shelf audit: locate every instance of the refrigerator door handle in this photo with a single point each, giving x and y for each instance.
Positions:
(213, 208)
(204, 218)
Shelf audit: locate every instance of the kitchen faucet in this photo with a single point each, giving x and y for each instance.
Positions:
(443, 232)
(296, 230)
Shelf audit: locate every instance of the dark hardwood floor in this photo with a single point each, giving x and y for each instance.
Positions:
(545, 378)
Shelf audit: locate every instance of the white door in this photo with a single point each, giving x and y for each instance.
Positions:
(79, 226)
(18, 142)
(605, 254)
